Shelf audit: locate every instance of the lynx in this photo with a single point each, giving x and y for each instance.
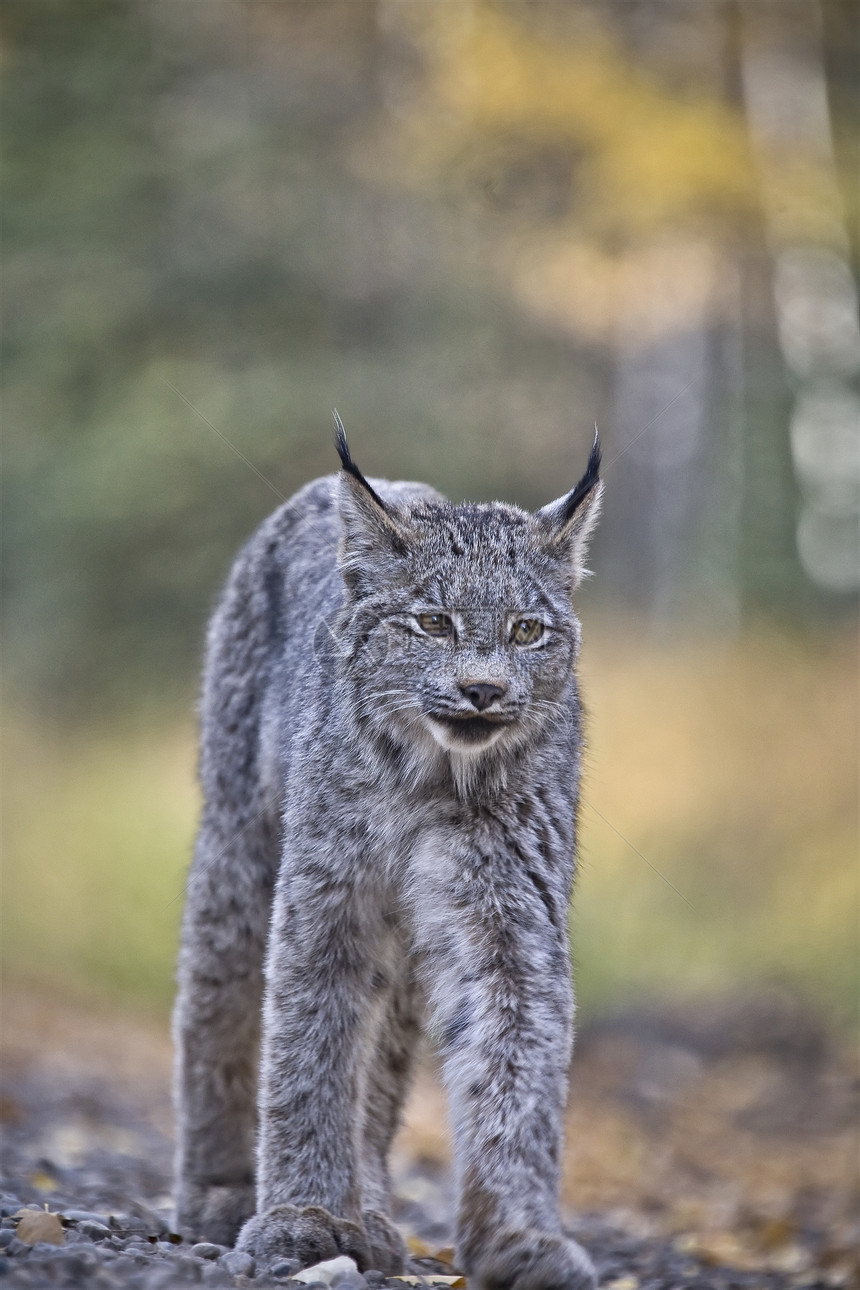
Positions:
(391, 748)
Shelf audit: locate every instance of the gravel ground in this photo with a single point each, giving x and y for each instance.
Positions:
(92, 1147)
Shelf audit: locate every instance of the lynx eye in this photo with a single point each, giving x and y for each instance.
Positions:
(526, 631)
(436, 624)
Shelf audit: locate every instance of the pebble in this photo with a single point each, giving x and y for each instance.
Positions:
(284, 1269)
(128, 1225)
(327, 1272)
(241, 1264)
(214, 1275)
(94, 1230)
(16, 1248)
(163, 1277)
(206, 1250)
(84, 1216)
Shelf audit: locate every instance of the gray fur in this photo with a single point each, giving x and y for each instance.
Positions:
(364, 871)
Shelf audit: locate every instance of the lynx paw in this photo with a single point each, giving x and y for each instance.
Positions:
(387, 1248)
(215, 1213)
(531, 1260)
(309, 1234)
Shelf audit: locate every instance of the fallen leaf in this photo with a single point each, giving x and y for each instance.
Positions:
(623, 1283)
(775, 1232)
(724, 1249)
(43, 1181)
(34, 1226)
(418, 1247)
(457, 1283)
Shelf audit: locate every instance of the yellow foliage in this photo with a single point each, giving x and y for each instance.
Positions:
(648, 157)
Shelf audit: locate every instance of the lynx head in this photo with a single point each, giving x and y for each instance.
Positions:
(458, 633)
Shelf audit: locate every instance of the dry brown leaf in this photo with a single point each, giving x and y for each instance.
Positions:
(34, 1226)
(445, 1255)
(456, 1283)
(775, 1233)
(418, 1247)
(724, 1249)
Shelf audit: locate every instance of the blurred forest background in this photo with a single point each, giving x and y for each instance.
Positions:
(474, 228)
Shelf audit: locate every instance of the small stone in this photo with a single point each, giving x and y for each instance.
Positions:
(284, 1268)
(94, 1230)
(38, 1272)
(215, 1275)
(45, 1250)
(7, 1236)
(162, 1277)
(208, 1250)
(128, 1225)
(138, 1243)
(240, 1264)
(374, 1278)
(350, 1281)
(327, 1271)
(81, 1261)
(84, 1216)
(188, 1261)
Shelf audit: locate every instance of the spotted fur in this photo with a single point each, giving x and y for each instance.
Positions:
(382, 852)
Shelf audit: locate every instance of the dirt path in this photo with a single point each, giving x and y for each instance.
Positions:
(708, 1149)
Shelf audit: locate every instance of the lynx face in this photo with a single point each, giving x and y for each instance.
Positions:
(462, 630)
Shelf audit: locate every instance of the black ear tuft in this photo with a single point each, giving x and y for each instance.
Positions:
(347, 462)
(567, 523)
(342, 446)
(589, 480)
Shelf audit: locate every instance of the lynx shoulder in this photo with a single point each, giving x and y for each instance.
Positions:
(391, 740)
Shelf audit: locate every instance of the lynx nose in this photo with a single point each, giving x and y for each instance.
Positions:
(481, 695)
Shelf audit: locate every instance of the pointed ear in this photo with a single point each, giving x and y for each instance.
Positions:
(568, 522)
(372, 530)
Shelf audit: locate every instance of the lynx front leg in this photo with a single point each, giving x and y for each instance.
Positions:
(317, 1037)
(502, 1000)
(397, 1028)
